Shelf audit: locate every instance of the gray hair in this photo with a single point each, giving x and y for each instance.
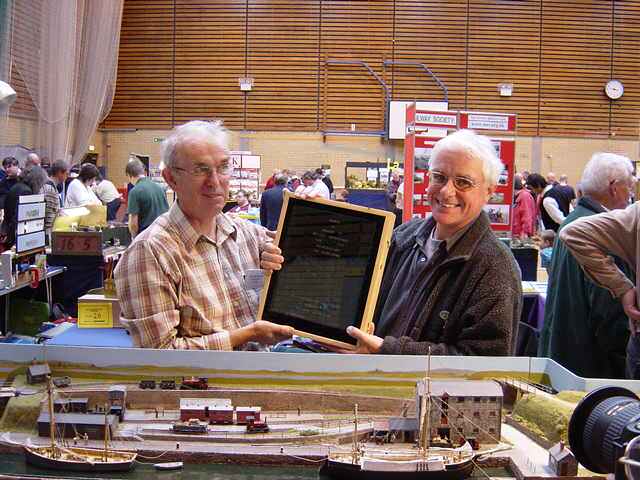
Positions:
(32, 159)
(474, 146)
(211, 132)
(602, 169)
(35, 177)
(135, 168)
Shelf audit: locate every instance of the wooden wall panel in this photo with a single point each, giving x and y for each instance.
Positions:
(625, 112)
(433, 33)
(359, 30)
(504, 46)
(576, 63)
(282, 46)
(144, 89)
(210, 57)
(181, 59)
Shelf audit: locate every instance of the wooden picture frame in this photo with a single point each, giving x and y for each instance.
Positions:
(333, 251)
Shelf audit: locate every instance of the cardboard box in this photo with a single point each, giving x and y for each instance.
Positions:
(95, 310)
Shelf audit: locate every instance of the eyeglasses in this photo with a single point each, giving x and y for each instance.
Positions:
(462, 184)
(223, 170)
(630, 183)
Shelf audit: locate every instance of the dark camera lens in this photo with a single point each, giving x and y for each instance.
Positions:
(601, 425)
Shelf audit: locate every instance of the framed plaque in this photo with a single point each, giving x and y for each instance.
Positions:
(334, 255)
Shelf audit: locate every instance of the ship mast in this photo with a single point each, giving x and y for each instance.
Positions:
(355, 451)
(425, 408)
(52, 423)
(106, 433)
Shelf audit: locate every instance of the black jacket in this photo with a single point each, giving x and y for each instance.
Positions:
(270, 206)
(11, 211)
(463, 302)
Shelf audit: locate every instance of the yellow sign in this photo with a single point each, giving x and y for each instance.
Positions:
(94, 315)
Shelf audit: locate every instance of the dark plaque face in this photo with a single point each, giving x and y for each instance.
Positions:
(330, 253)
(78, 244)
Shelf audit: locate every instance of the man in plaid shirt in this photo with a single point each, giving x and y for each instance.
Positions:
(181, 283)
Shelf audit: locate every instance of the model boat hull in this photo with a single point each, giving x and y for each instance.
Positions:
(73, 462)
(348, 471)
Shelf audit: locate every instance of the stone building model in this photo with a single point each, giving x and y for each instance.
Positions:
(463, 410)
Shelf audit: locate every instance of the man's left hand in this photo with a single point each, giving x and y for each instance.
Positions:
(271, 258)
(367, 343)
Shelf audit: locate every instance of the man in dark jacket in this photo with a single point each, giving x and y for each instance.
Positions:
(271, 203)
(449, 285)
(585, 327)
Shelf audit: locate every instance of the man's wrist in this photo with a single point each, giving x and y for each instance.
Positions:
(242, 335)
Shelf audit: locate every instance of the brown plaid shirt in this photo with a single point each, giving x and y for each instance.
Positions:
(180, 289)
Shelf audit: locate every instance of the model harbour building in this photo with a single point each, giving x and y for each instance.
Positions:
(117, 400)
(38, 373)
(71, 405)
(463, 410)
(71, 425)
(211, 410)
(246, 415)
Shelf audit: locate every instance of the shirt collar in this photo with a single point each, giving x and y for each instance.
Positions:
(462, 245)
(224, 228)
(451, 241)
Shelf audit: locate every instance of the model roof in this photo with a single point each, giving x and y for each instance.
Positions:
(39, 369)
(79, 418)
(462, 388)
(248, 409)
(201, 403)
(560, 452)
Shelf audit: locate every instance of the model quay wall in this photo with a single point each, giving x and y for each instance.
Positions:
(269, 400)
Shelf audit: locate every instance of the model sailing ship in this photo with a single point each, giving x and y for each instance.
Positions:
(59, 457)
(425, 463)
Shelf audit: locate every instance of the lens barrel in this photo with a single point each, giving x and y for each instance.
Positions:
(600, 426)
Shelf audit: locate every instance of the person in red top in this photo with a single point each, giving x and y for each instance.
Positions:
(524, 212)
(272, 180)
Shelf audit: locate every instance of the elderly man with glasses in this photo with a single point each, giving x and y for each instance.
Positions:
(585, 327)
(450, 286)
(181, 283)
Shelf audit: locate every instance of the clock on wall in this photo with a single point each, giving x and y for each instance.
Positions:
(614, 89)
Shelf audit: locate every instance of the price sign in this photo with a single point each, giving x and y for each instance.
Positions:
(94, 315)
(77, 243)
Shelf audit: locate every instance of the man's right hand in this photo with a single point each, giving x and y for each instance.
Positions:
(269, 333)
(260, 331)
(629, 303)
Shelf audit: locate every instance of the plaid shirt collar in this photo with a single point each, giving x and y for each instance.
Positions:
(185, 231)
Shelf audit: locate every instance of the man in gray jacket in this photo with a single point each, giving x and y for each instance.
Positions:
(450, 286)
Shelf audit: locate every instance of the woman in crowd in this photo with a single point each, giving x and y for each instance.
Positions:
(30, 182)
(79, 192)
(524, 212)
(11, 170)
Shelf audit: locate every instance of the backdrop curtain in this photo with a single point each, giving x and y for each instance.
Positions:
(66, 52)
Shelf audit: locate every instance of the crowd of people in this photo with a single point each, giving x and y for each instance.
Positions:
(65, 188)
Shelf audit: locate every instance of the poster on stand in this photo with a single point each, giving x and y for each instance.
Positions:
(246, 174)
(418, 148)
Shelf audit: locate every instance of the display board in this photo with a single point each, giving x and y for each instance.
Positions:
(334, 259)
(30, 235)
(246, 174)
(418, 147)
